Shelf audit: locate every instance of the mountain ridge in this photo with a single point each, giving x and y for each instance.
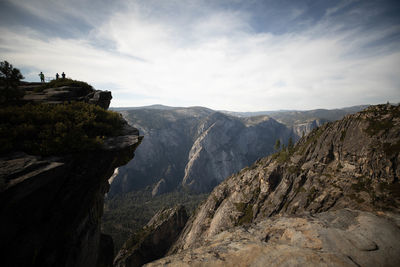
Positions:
(298, 181)
(171, 135)
(250, 137)
(334, 197)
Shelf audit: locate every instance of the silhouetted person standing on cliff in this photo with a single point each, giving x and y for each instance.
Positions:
(41, 75)
(57, 76)
(63, 75)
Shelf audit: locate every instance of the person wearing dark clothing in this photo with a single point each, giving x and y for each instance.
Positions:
(41, 75)
(63, 75)
(57, 76)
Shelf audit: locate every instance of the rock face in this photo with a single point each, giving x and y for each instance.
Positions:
(197, 147)
(227, 144)
(154, 240)
(352, 163)
(65, 94)
(51, 207)
(304, 128)
(163, 153)
(194, 147)
(159, 188)
(334, 238)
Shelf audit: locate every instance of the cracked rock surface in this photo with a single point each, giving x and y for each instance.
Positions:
(334, 238)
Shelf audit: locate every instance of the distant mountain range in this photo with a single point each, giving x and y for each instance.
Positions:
(196, 148)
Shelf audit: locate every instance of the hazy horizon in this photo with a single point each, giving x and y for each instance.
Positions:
(241, 111)
(226, 55)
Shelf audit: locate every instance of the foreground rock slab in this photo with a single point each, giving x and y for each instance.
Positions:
(334, 238)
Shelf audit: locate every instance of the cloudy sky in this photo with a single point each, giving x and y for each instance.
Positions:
(233, 55)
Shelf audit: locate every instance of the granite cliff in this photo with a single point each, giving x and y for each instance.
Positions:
(51, 206)
(225, 144)
(182, 141)
(163, 153)
(333, 199)
(154, 240)
(198, 147)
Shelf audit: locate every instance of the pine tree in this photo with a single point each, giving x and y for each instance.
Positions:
(277, 145)
(290, 144)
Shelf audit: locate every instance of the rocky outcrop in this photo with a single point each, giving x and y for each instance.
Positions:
(159, 188)
(334, 238)
(154, 240)
(352, 163)
(66, 94)
(305, 128)
(51, 207)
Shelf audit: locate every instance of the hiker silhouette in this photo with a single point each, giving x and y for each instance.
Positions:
(41, 75)
(57, 76)
(63, 75)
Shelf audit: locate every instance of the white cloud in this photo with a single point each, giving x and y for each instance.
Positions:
(216, 61)
(63, 12)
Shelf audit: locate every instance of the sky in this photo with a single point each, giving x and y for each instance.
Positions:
(227, 55)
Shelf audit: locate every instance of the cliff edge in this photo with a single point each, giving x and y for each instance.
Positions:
(51, 206)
